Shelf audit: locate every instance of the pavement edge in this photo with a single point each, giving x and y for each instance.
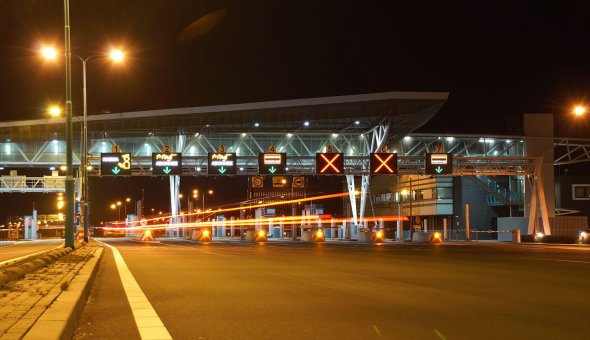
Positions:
(60, 319)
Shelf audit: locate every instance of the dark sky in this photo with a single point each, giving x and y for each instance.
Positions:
(497, 59)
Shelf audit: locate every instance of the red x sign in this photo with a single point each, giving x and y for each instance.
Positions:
(329, 163)
(383, 163)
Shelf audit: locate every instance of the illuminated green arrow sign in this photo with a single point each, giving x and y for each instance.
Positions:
(438, 169)
(222, 170)
(272, 169)
(116, 170)
(166, 170)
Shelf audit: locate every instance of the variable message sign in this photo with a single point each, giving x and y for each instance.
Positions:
(222, 164)
(272, 163)
(383, 163)
(115, 164)
(438, 164)
(166, 163)
(329, 163)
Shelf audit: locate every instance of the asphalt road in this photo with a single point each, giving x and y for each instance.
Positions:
(12, 250)
(293, 290)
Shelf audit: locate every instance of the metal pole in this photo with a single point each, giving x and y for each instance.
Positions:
(84, 202)
(411, 213)
(69, 183)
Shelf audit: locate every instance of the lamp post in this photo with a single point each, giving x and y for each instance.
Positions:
(69, 183)
(210, 192)
(115, 55)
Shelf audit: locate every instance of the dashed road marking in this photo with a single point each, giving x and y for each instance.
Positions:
(148, 323)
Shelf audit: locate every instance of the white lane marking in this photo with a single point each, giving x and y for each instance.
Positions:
(558, 260)
(7, 262)
(148, 323)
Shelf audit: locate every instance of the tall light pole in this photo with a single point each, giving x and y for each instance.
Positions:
(210, 192)
(69, 183)
(115, 55)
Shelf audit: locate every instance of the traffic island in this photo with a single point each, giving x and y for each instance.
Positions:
(369, 236)
(427, 237)
(313, 236)
(255, 235)
(46, 303)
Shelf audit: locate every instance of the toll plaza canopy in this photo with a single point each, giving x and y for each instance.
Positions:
(404, 111)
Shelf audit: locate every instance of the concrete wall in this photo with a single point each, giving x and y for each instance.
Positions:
(563, 191)
(538, 129)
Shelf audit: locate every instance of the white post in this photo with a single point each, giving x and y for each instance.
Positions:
(467, 236)
(231, 226)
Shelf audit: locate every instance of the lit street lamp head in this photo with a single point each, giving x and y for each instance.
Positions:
(579, 110)
(49, 53)
(117, 55)
(55, 111)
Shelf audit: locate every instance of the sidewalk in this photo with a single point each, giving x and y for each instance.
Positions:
(42, 303)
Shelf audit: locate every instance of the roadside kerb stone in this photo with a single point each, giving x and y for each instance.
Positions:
(24, 302)
(19, 268)
(60, 319)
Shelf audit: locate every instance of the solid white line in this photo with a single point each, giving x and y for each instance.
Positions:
(558, 260)
(148, 323)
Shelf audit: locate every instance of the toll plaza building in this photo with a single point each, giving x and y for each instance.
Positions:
(490, 183)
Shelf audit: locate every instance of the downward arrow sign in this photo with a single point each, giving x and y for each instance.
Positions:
(438, 169)
(116, 170)
(167, 170)
(272, 169)
(222, 170)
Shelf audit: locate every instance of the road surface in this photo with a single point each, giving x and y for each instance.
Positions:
(12, 250)
(294, 290)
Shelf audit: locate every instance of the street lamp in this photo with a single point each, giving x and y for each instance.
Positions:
(119, 206)
(579, 110)
(210, 192)
(116, 55)
(54, 111)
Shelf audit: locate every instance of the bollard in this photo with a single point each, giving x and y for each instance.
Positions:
(516, 236)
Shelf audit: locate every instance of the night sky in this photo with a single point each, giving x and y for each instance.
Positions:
(498, 61)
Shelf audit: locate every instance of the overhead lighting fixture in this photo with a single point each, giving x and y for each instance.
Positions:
(357, 122)
(306, 123)
(256, 124)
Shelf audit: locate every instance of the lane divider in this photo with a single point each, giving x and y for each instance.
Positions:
(148, 323)
(24, 257)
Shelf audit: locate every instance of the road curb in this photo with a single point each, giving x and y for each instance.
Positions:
(60, 319)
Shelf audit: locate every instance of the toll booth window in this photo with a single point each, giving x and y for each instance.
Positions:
(444, 193)
(581, 191)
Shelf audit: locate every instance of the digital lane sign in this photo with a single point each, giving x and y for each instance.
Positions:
(329, 163)
(221, 164)
(438, 164)
(166, 163)
(272, 163)
(383, 163)
(115, 164)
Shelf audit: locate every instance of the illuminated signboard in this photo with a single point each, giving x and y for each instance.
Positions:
(115, 164)
(166, 163)
(438, 164)
(383, 163)
(329, 163)
(272, 163)
(222, 164)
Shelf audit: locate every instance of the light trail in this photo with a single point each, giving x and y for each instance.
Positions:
(309, 221)
(261, 205)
